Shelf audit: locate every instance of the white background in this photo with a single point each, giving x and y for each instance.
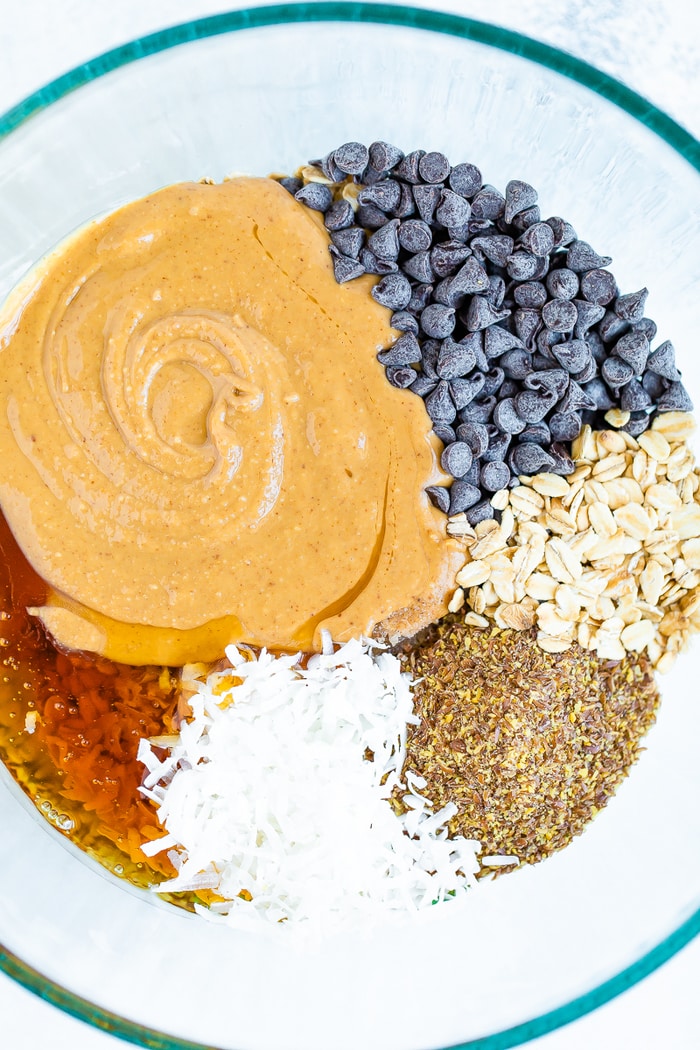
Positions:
(649, 44)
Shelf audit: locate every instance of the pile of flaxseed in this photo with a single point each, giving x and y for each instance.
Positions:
(529, 745)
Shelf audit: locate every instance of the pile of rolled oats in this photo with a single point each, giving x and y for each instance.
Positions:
(608, 556)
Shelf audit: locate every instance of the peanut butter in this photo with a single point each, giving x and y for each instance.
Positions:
(198, 444)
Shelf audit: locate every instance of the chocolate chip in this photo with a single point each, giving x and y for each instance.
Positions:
(433, 167)
(598, 286)
(575, 398)
(377, 266)
(456, 459)
(612, 327)
(385, 195)
(344, 267)
(516, 363)
(563, 231)
(554, 380)
(519, 195)
(580, 256)
(454, 360)
(406, 205)
(421, 294)
(488, 204)
(437, 321)
(573, 356)
(385, 242)
(415, 235)
(663, 362)
(646, 326)
(422, 386)
(463, 495)
(559, 315)
(393, 291)
(447, 257)
(616, 372)
(292, 185)
(507, 418)
(525, 219)
(630, 307)
(588, 315)
(339, 216)
(430, 349)
(465, 179)
(499, 443)
(633, 397)
(529, 459)
(655, 385)
(440, 497)
(475, 435)
(675, 399)
(401, 377)
(536, 432)
(329, 168)
(439, 404)
(405, 351)
(464, 391)
(349, 241)
(427, 199)
(404, 322)
(478, 411)
(483, 511)
(475, 341)
(588, 372)
(599, 393)
(497, 249)
(562, 463)
(530, 294)
(371, 217)
(522, 266)
(634, 349)
(562, 284)
(533, 406)
(528, 322)
(494, 476)
(315, 195)
(444, 432)
(499, 340)
(493, 380)
(452, 210)
(419, 267)
(565, 426)
(383, 156)
(481, 314)
(636, 424)
(538, 239)
(352, 158)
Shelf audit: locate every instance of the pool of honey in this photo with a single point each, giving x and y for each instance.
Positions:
(70, 726)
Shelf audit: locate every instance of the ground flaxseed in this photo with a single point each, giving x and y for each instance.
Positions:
(529, 745)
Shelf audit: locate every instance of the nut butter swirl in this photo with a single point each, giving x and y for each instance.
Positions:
(196, 435)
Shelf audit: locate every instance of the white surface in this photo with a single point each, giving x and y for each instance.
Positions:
(647, 44)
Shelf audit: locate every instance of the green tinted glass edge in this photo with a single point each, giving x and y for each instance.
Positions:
(567, 65)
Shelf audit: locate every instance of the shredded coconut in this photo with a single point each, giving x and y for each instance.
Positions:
(275, 795)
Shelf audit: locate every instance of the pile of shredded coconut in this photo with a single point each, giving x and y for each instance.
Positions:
(275, 794)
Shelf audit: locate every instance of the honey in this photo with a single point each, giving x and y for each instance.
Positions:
(70, 726)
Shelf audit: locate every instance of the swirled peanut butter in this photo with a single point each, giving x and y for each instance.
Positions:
(198, 444)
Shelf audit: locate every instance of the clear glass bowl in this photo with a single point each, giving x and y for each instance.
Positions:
(263, 90)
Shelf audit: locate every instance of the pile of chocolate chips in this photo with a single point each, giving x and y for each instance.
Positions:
(514, 332)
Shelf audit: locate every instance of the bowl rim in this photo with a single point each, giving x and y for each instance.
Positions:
(636, 106)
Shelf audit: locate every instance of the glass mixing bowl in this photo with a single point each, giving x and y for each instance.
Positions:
(263, 90)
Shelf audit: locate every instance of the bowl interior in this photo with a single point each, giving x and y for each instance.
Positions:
(265, 100)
